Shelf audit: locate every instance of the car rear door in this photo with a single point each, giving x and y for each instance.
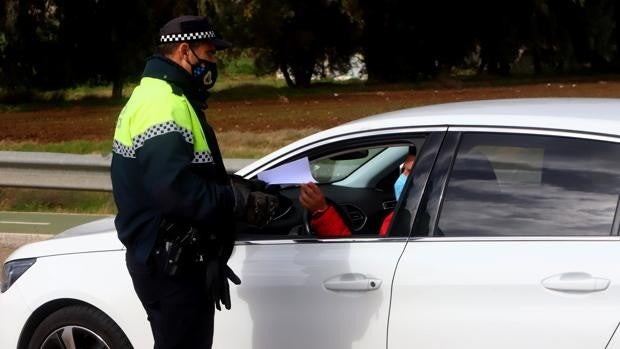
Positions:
(515, 245)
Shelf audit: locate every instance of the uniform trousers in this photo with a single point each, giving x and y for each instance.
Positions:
(177, 307)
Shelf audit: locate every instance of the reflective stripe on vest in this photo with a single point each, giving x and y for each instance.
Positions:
(154, 110)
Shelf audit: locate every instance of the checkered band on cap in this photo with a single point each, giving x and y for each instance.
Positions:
(187, 36)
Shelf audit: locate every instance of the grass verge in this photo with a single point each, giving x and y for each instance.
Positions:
(72, 147)
(48, 200)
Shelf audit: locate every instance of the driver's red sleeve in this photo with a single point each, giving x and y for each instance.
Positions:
(386, 224)
(330, 224)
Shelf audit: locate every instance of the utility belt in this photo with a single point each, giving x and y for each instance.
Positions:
(181, 246)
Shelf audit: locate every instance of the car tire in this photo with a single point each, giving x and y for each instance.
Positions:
(84, 326)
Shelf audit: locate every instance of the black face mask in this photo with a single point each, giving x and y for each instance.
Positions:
(204, 72)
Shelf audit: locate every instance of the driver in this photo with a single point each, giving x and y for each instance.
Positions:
(327, 222)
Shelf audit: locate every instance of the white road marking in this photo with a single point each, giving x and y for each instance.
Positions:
(25, 223)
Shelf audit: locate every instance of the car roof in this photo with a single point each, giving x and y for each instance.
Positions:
(592, 115)
(587, 115)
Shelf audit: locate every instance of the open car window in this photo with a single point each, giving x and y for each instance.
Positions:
(356, 177)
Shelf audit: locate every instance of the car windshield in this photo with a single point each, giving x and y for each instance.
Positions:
(337, 167)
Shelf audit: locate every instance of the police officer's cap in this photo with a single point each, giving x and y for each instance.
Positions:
(191, 28)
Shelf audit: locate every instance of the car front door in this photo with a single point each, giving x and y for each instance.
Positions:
(515, 246)
(306, 292)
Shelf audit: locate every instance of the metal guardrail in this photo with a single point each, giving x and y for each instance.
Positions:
(67, 171)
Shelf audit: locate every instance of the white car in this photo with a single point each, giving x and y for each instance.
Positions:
(505, 236)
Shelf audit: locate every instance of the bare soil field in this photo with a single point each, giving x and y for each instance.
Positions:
(10, 243)
(57, 124)
(7, 247)
(5, 251)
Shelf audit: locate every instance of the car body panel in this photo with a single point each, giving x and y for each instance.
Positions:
(489, 293)
(99, 279)
(95, 236)
(514, 292)
(270, 273)
(614, 342)
(282, 301)
(13, 316)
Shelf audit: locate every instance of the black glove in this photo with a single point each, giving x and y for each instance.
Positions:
(253, 184)
(261, 208)
(253, 207)
(242, 194)
(217, 276)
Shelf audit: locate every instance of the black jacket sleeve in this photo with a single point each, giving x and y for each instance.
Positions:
(166, 161)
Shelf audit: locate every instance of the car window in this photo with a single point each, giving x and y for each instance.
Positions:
(357, 180)
(524, 185)
(338, 166)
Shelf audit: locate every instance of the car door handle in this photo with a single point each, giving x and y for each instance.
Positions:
(575, 282)
(352, 282)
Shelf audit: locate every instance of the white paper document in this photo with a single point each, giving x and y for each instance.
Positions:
(295, 172)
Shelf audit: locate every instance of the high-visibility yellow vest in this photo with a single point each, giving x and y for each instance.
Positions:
(155, 109)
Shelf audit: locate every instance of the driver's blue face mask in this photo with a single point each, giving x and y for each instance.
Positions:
(399, 185)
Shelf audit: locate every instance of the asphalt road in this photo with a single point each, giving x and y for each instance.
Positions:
(18, 228)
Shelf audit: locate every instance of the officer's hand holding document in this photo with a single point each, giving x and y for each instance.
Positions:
(294, 172)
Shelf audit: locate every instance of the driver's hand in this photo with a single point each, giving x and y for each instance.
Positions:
(311, 198)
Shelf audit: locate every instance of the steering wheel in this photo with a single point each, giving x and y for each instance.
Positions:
(307, 218)
(307, 226)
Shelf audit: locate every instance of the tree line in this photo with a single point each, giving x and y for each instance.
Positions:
(48, 44)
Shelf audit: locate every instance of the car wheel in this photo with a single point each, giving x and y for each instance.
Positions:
(78, 326)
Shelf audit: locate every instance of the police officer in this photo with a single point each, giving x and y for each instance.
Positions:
(176, 203)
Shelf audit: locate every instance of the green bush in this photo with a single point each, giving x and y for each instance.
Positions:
(239, 66)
